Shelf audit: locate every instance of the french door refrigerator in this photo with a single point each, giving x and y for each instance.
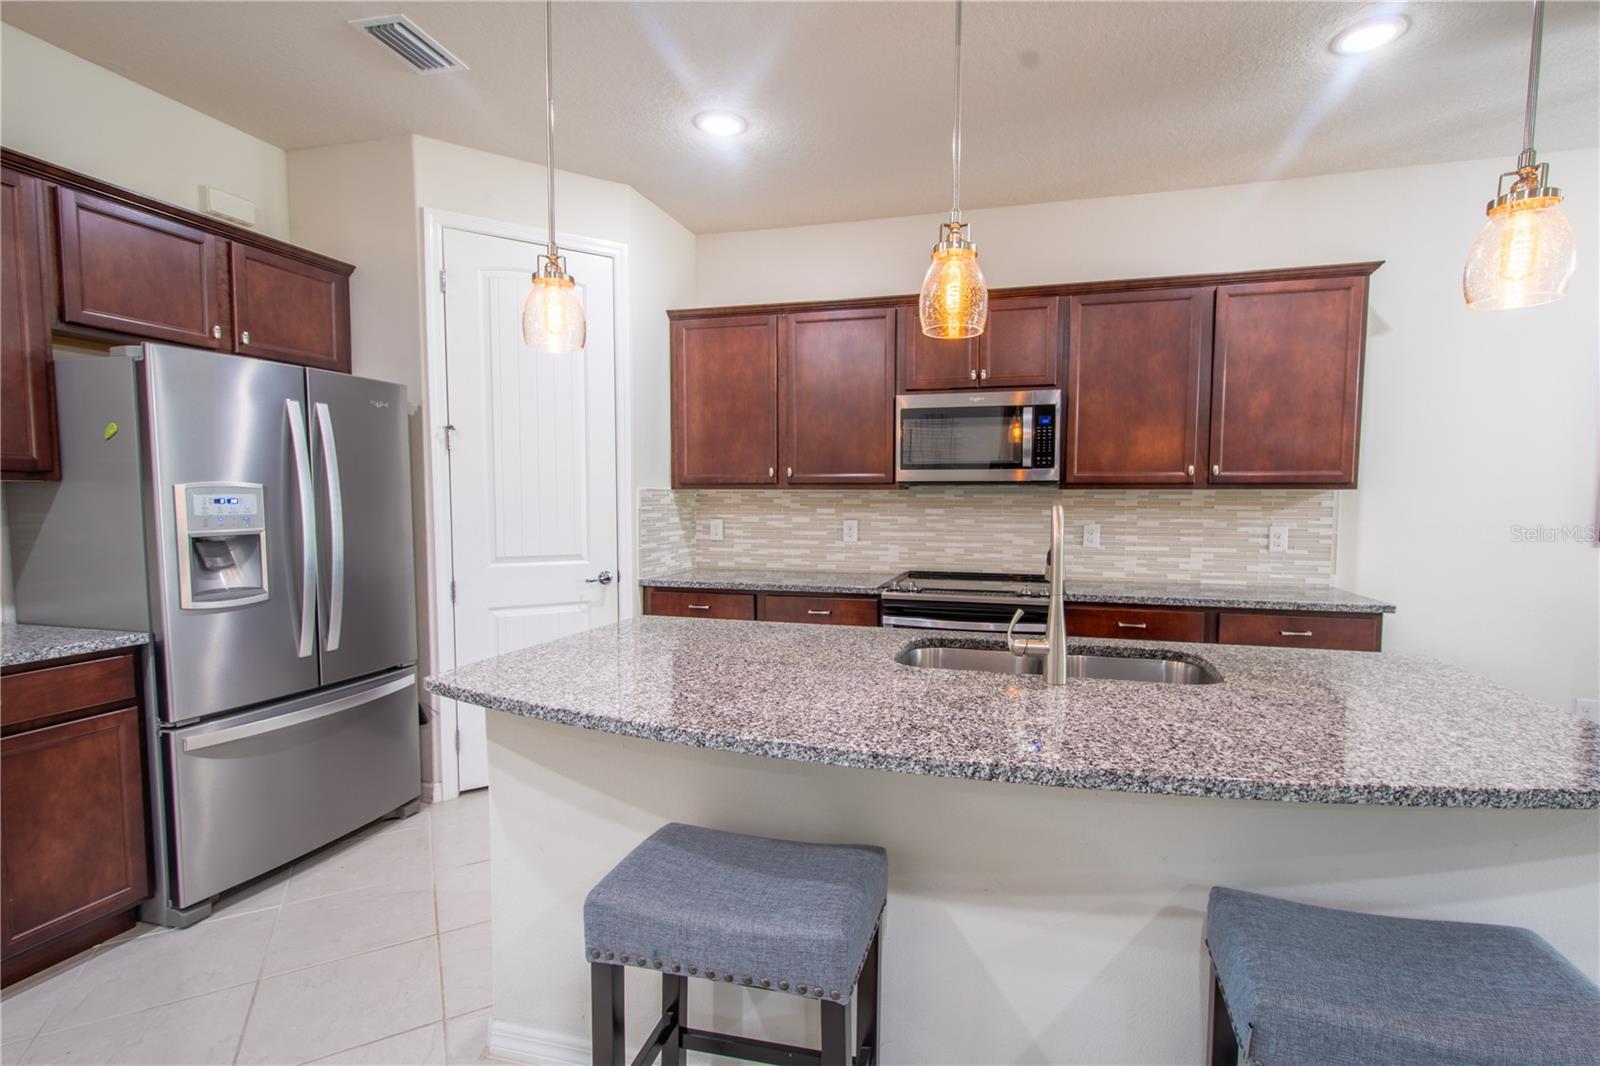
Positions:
(255, 517)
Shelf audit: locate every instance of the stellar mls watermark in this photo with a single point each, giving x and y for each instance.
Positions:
(1575, 533)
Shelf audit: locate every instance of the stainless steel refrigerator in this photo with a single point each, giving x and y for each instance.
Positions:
(255, 517)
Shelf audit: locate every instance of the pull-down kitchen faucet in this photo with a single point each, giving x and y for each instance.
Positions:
(1053, 647)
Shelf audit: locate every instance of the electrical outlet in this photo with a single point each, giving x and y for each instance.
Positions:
(1278, 538)
(714, 529)
(852, 533)
(1091, 534)
(1589, 709)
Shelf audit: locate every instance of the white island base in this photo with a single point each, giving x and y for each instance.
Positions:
(1025, 924)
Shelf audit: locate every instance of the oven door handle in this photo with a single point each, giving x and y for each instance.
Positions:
(955, 625)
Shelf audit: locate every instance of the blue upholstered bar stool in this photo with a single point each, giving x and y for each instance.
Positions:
(796, 919)
(1296, 984)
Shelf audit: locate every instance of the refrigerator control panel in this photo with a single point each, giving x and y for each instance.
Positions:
(222, 545)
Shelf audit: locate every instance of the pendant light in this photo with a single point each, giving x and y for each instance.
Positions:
(1525, 254)
(955, 301)
(552, 313)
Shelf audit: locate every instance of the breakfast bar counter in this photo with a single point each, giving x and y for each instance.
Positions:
(1025, 924)
(1280, 724)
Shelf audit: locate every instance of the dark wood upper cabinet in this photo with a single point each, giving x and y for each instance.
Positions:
(133, 272)
(1286, 382)
(929, 364)
(27, 407)
(838, 385)
(1020, 347)
(1137, 371)
(725, 401)
(289, 310)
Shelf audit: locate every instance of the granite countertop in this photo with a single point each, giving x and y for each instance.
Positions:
(23, 644)
(1153, 593)
(1283, 724)
(834, 582)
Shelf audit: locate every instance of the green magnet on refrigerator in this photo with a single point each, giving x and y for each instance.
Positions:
(111, 430)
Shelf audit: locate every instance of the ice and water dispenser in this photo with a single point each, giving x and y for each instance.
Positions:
(222, 545)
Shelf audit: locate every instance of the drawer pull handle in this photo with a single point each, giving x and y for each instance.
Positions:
(699, 607)
(1294, 632)
(810, 611)
(1133, 625)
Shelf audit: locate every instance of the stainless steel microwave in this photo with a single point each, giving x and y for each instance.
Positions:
(992, 435)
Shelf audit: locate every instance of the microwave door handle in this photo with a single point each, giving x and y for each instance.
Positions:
(330, 469)
(1027, 437)
(308, 526)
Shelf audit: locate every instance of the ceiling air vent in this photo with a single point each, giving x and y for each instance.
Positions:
(405, 39)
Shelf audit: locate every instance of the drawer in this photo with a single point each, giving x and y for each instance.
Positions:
(1359, 632)
(1136, 623)
(821, 610)
(688, 603)
(52, 691)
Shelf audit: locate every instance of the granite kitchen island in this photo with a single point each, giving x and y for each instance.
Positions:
(1050, 849)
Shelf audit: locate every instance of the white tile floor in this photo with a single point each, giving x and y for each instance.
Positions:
(373, 950)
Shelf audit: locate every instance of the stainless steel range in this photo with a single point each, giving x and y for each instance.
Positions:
(966, 601)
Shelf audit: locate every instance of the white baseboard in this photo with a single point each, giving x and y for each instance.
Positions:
(538, 1047)
(432, 792)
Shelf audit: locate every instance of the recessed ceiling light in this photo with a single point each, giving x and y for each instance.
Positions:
(1369, 35)
(720, 123)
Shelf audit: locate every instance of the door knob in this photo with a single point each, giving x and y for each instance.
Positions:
(602, 578)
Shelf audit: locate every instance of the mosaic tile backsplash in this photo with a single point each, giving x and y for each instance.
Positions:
(1209, 537)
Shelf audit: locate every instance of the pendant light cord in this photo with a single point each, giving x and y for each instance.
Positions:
(955, 133)
(1526, 159)
(549, 135)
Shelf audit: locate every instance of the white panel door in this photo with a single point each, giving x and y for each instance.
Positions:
(533, 463)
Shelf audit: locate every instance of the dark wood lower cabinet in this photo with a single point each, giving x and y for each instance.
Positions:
(1136, 623)
(1296, 629)
(73, 852)
(818, 610)
(697, 604)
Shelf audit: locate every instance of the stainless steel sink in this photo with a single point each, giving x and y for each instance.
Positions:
(1104, 667)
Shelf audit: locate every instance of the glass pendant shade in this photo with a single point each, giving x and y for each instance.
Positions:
(1524, 256)
(552, 317)
(955, 301)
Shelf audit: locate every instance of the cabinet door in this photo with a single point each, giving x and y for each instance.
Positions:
(836, 416)
(137, 273)
(1286, 387)
(71, 826)
(1021, 345)
(288, 310)
(1137, 364)
(929, 364)
(27, 407)
(725, 401)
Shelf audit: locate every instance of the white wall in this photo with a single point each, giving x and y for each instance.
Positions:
(69, 111)
(1474, 422)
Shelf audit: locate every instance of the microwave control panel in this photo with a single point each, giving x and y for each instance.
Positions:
(1044, 436)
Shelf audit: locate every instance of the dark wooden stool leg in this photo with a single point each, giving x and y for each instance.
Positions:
(605, 1013)
(675, 999)
(1221, 1041)
(867, 1004)
(835, 1035)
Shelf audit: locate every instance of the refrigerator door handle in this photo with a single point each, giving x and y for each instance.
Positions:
(294, 718)
(330, 469)
(308, 526)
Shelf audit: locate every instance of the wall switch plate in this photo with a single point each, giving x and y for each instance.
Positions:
(852, 532)
(1091, 534)
(1589, 709)
(714, 529)
(1278, 538)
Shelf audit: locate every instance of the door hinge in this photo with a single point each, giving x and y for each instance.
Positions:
(441, 280)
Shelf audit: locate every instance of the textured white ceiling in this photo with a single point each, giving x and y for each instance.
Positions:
(849, 103)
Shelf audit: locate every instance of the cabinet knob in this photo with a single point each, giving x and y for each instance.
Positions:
(788, 471)
(216, 332)
(771, 472)
(245, 337)
(1191, 470)
(1215, 469)
(983, 375)
(973, 374)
